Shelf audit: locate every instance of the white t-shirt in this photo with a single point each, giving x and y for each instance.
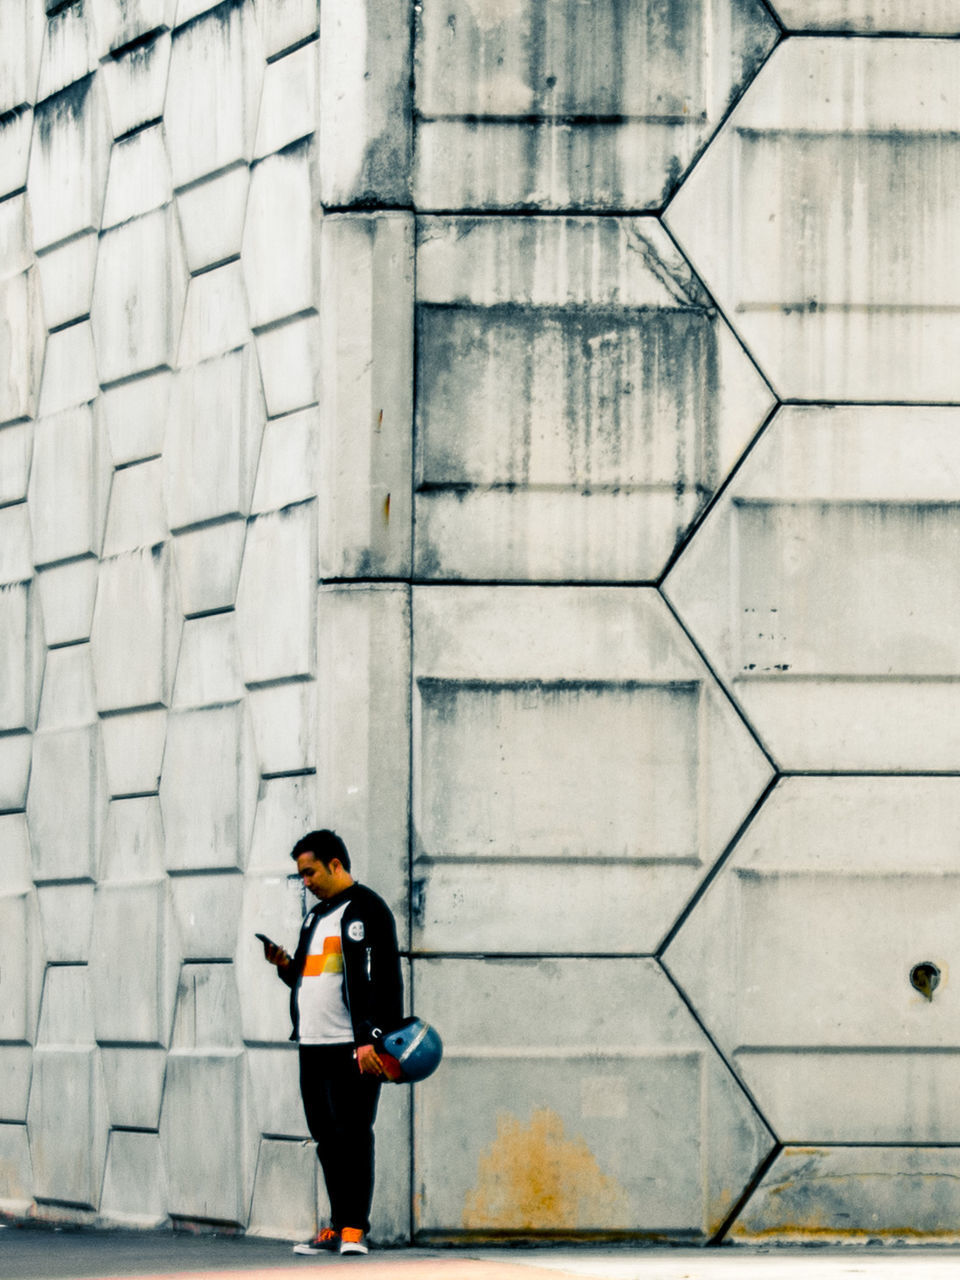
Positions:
(324, 1016)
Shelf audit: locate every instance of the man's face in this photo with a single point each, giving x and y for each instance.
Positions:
(320, 880)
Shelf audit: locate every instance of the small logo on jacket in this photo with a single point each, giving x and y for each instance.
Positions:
(355, 930)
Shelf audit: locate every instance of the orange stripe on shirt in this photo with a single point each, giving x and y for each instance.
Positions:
(330, 962)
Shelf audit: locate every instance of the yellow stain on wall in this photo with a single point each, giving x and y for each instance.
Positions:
(533, 1176)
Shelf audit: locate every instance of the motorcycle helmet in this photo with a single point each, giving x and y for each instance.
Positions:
(412, 1052)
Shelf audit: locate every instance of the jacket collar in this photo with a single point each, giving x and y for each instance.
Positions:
(330, 904)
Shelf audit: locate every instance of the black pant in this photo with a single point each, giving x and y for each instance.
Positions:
(341, 1105)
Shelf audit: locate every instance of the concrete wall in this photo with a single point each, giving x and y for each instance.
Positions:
(521, 434)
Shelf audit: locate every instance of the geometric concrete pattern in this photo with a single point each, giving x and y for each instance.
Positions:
(799, 171)
(577, 407)
(649, 775)
(799, 959)
(524, 438)
(823, 591)
(538, 106)
(602, 1057)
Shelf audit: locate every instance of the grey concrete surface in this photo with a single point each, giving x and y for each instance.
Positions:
(29, 1253)
(360, 361)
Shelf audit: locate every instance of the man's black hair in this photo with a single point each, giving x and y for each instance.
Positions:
(324, 846)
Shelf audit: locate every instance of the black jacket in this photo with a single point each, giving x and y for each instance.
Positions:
(372, 983)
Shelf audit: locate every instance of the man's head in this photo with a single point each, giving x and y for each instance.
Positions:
(323, 863)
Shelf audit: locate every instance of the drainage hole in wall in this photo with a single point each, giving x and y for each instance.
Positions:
(925, 977)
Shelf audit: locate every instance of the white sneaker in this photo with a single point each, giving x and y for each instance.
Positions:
(351, 1241)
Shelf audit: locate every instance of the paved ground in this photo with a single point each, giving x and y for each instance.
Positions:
(30, 1254)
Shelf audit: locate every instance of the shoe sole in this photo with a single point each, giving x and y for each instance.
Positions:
(353, 1248)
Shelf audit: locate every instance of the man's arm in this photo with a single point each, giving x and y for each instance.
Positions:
(372, 963)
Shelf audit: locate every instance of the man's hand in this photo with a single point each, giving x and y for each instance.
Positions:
(368, 1060)
(275, 954)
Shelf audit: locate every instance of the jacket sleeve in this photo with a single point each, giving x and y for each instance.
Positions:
(371, 961)
(291, 974)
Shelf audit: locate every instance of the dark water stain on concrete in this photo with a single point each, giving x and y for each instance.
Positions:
(634, 389)
(63, 108)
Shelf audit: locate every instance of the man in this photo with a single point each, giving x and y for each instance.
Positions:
(346, 989)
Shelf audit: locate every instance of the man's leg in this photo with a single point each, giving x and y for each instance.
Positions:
(341, 1105)
(316, 1108)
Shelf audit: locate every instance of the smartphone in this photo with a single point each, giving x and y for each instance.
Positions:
(267, 942)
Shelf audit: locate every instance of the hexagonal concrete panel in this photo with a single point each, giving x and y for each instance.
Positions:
(23, 654)
(66, 276)
(21, 359)
(208, 668)
(208, 788)
(216, 71)
(284, 1201)
(133, 745)
(69, 485)
(289, 357)
(211, 217)
(16, 448)
(207, 1130)
(138, 295)
(542, 105)
(278, 579)
(21, 41)
(66, 919)
(208, 561)
(215, 315)
(70, 49)
(15, 873)
(805, 959)
(133, 1082)
(210, 474)
(66, 803)
(133, 963)
(572, 739)
(136, 78)
(823, 588)
(136, 629)
(135, 513)
(134, 1190)
(15, 754)
(67, 1119)
(132, 841)
(21, 955)
(870, 17)
(281, 250)
(69, 370)
(587, 1100)
(139, 179)
(16, 130)
(822, 218)
(898, 1195)
(69, 157)
(288, 106)
(16, 1170)
(579, 400)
